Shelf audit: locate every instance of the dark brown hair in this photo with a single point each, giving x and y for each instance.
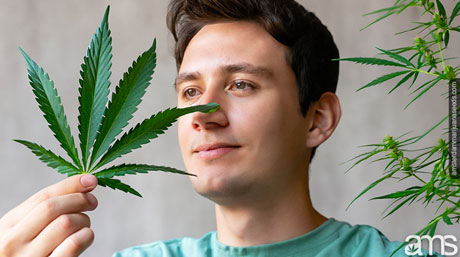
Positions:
(311, 45)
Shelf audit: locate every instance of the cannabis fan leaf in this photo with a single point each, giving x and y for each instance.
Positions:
(101, 121)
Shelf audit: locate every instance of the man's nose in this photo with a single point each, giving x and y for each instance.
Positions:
(218, 119)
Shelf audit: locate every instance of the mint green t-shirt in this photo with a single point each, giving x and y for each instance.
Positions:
(332, 239)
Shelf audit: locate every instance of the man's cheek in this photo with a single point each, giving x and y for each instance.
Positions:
(182, 133)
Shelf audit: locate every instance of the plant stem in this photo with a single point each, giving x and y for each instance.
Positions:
(442, 56)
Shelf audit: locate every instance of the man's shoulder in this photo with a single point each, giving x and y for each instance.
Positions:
(365, 240)
(166, 248)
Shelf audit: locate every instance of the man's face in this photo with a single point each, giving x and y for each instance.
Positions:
(255, 144)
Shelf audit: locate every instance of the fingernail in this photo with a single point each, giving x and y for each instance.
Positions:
(88, 180)
(92, 200)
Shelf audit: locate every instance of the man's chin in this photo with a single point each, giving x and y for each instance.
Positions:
(220, 192)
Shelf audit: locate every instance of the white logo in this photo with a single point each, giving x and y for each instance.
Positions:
(416, 248)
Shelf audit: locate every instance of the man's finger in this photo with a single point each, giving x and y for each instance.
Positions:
(39, 218)
(74, 245)
(56, 232)
(74, 184)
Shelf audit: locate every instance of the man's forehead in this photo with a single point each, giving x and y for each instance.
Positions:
(235, 35)
(232, 47)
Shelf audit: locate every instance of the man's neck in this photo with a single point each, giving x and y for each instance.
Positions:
(267, 222)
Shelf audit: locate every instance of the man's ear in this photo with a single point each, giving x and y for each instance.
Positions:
(323, 117)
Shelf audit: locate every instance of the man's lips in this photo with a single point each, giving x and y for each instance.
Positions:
(214, 151)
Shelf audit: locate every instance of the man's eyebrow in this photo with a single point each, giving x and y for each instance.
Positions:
(186, 76)
(247, 68)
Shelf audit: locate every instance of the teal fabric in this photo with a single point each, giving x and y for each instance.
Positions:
(332, 239)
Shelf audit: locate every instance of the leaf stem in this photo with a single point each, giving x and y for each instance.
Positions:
(422, 71)
(417, 177)
(448, 200)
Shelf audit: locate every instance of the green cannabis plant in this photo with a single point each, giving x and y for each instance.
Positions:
(428, 167)
(101, 121)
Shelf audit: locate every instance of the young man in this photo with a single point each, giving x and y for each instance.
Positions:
(268, 64)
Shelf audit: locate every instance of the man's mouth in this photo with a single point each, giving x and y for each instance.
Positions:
(214, 151)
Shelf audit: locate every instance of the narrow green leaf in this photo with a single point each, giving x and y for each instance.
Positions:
(149, 129)
(415, 78)
(429, 43)
(367, 156)
(433, 227)
(378, 19)
(400, 205)
(389, 164)
(397, 57)
(372, 185)
(405, 7)
(413, 56)
(95, 85)
(371, 61)
(423, 85)
(407, 77)
(125, 100)
(131, 169)
(446, 38)
(400, 50)
(383, 79)
(433, 35)
(403, 135)
(442, 10)
(447, 220)
(399, 194)
(432, 128)
(424, 230)
(411, 29)
(428, 23)
(455, 12)
(381, 159)
(429, 154)
(420, 60)
(52, 160)
(435, 81)
(50, 104)
(386, 9)
(450, 58)
(117, 184)
(390, 205)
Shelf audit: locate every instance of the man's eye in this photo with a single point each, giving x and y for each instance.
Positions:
(190, 92)
(241, 85)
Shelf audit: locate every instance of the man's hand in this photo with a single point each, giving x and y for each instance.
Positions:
(51, 222)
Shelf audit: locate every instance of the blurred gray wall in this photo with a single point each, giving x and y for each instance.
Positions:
(56, 33)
